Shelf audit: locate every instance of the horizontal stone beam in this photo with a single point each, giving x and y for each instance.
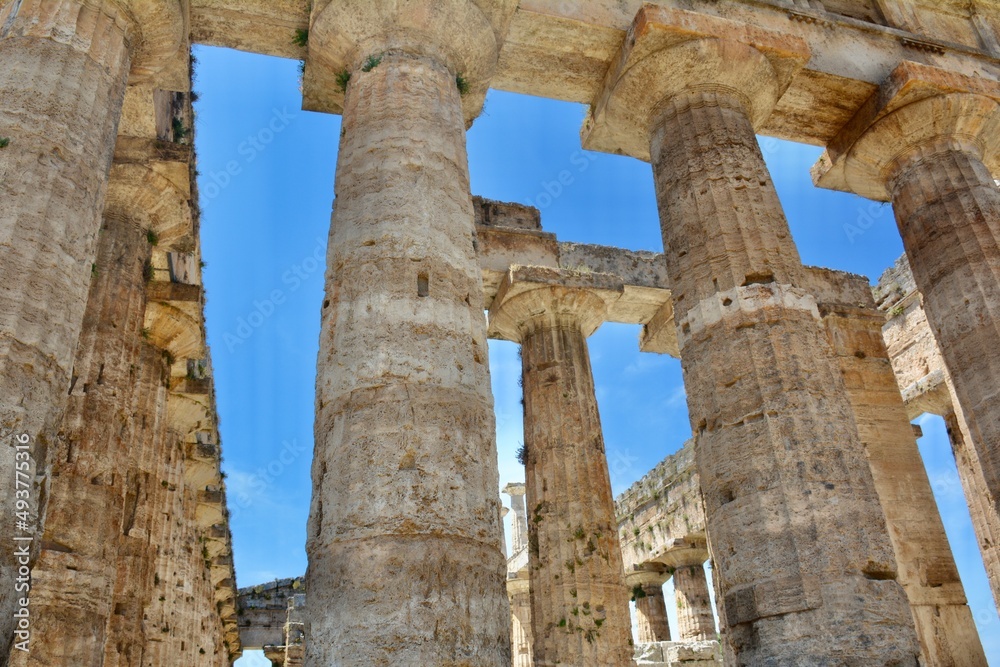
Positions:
(562, 50)
(645, 299)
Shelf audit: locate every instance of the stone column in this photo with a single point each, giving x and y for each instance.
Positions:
(87, 489)
(927, 569)
(695, 621)
(650, 606)
(63, 68)
(579, 603)
(520, 614)
(928, 159)
(798, 536)
(404, 541)
(518, 519)
(146, 504)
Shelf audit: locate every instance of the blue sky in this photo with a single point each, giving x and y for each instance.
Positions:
(267, 187)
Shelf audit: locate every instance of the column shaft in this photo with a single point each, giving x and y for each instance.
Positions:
(985, 520)
(579, 603)
(62, 81)
(927, 569)
(799, 539)
(651, 614)
(146, 500)
(695, 621)
(87, 487)
(405, 535)
(948, 210)
(520, 614)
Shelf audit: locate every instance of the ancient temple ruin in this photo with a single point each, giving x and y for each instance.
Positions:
(803, 485)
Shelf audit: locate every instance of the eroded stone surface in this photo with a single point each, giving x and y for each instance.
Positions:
(405, 466)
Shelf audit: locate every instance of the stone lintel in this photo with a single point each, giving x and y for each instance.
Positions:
(464, 35)
(529, 291)
(645, 299)
(660, 57)
(908, 84)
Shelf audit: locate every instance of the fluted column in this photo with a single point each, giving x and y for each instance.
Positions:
(695, 621)
(650, 606)
(929, 158)
(404, 540)
(579, 603)
(520, 615)
(63, 68)
(146, 506)
(518, 519)
(927, 569)
(799, 540)
(86, 508)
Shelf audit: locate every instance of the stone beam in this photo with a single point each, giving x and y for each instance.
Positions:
(562, 50)
(511, 234)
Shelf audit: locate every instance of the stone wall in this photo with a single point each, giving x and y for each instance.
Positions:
(662, 512)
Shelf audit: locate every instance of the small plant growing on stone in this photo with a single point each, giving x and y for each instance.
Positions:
(4, 142)
(301, 37)
(372, 62)
(145, 333)
(180, 132)
(638, 593)
(152, 237)
(522, 454)
(93, 271)
(148, 272)
(462, 83)
(343, 78)
(897, 310)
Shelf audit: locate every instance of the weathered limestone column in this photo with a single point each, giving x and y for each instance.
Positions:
(650, 606)
(518, 520)
(86, 509)
(405, 564)
(63, 69)
(520, 614)
(929, 158)
(932, 152)
(798, 536)
(927, 570)
(985, 519)
(145, 501)
(695, 621)
(579, 603)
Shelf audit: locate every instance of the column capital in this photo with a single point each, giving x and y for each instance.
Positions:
(463, 35)
(647, 576)
(529, 295)
(514, 489)
(670, 51)
(685, 554)
(918, 112)
(156, 33)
